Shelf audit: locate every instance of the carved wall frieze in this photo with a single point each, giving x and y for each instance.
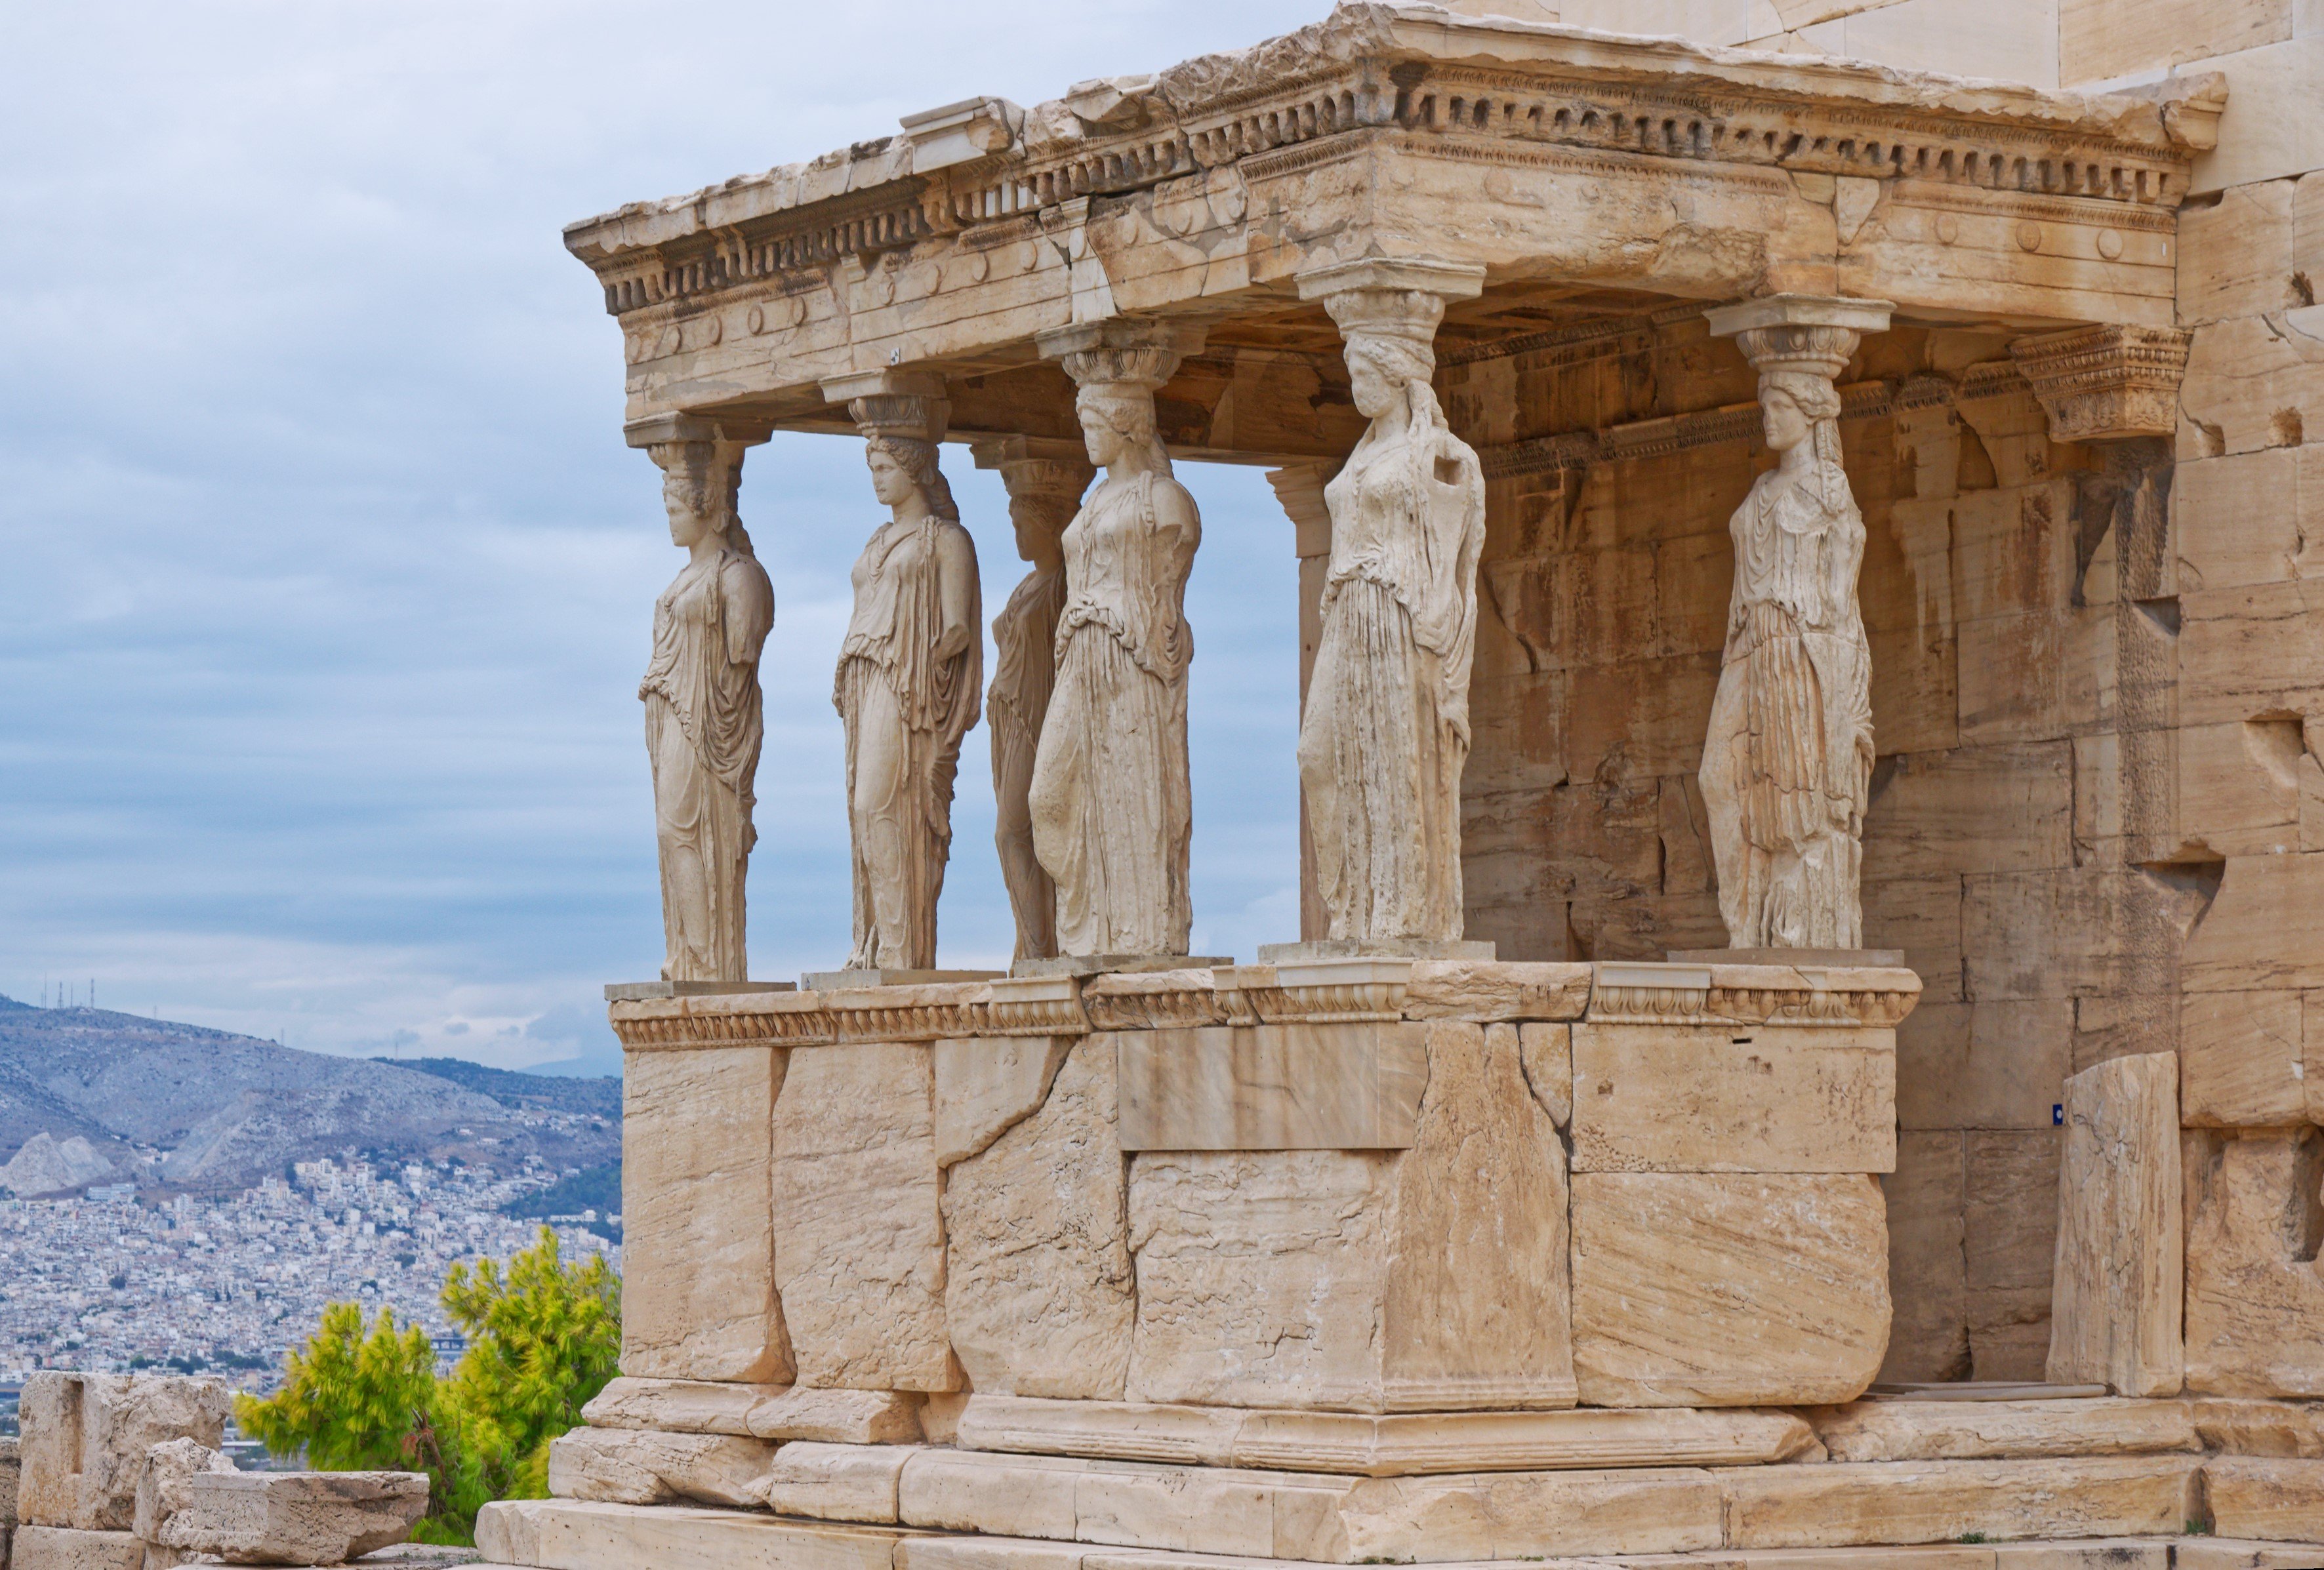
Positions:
(1671, 434)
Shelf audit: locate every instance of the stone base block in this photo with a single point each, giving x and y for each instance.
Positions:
(1157, 1518)
(2276, 1499)
(2234, 1554)
(1941, 1502)
(294, 1518)
(1378, 949)
(1363, 1445)
(837, 1483)
(859, 1246)
(678, 1406)
(698, 1288)
(571, 1535)
(1726, 1289)
(1909, 1430)
(640, 1466)
(1117, 964)
(839, 980)
(69, 1549)
(1432, 1278)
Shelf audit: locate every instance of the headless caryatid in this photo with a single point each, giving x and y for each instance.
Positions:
(1112, 807)
(704, 722)
(1044, 493)
(906, 686)
(1787, 767)
(1385, 732)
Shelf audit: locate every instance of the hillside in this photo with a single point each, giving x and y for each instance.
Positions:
(215, 1111)
(594, 1098)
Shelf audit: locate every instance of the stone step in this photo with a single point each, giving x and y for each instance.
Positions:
(1366, 1445)
(565, 1535)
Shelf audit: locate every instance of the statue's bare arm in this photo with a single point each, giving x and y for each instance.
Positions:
(750, 610)
(956, 585)
(1174, 510)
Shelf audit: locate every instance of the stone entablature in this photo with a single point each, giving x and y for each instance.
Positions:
(1319, 992)
(1536, 152)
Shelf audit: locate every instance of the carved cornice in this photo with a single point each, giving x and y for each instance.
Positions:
(2107, 382)
(1657, 994)
(1645, 107)
(1321, 991)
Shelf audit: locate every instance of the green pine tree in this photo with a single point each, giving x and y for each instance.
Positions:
(543, 1337)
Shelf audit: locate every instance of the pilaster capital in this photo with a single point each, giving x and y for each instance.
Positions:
(662, 430)
(910, 404)
(1139, 352)
(1816, 334)
(2106, 383)
(1036, 466)
(1300, 490)
(1448, 280)
(1396, 297)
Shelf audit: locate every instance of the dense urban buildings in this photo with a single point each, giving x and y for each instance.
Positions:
(106, 1283)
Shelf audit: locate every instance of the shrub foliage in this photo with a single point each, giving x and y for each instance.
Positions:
(543, 1339)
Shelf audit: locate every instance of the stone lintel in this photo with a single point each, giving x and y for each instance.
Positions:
(1446, 279)
(2107, 382)
(1799, 310)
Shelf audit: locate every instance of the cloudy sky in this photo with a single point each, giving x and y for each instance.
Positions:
(325, 577)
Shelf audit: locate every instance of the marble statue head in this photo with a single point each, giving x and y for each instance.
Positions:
(903, 466)
(701, 481)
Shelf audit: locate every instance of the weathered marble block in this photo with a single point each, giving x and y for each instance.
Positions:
(294, 1518)
(642, 1466)
(2120, 1279)
(85, 1437)
(1719, 1098)
(2255, 1323)
(858, 1221)
(1343, 1086)
(1037, 1285)
(1429, 1278)
(70, 1548)
(1719, 1289)
(698, 1299)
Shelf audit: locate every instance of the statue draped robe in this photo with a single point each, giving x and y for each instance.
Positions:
(1024, 635)
(1111, 801)
(703, 729)
(1787, 767)
(891, 686)
(1386, 731)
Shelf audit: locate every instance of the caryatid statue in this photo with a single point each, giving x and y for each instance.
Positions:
(704, 722)
(1045, 490)
(1787, 764)
(1112, 804)
(908, 684)
(1385, 731)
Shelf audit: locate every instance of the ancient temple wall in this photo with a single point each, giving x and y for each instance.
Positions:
(2245, 574)
(1989, 857)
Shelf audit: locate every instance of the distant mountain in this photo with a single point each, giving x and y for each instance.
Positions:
(217, 1111)
(600, 1097)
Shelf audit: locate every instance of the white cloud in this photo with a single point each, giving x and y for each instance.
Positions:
(324, 573)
